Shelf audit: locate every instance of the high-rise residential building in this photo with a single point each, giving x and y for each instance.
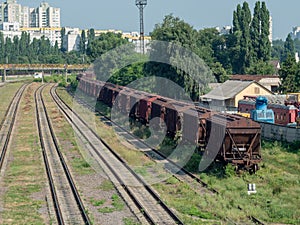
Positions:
(10, 11)
(45, 16)
(25, 17)
(41, 21)
(42, 16)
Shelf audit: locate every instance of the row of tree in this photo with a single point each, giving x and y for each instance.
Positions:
(24, 50)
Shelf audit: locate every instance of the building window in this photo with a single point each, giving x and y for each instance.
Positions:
(256, 90)
(274, 88)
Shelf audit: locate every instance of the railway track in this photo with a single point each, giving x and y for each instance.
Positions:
(68, 206)
(198, 185)
(128, 183)
(8, 123)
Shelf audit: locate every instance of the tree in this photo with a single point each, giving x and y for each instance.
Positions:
(34, 51)
(277, 49)
(250, 42)
(297, 45)
(222, 46)
(181, 66)
(15, 53)
(2, 48)
(255, 32)
(128, 74)
(8, 50)
(246, 48)
(242, 46)
(62, 36)
(56, 49)
(91, 35)
(91, 38)
(289, 48)
(82, 45)
(104, 43)
(219, 72)
(289, 74)
(237, 19)
(208, 40)
(265, 44)
(24, 44)
(261, 67)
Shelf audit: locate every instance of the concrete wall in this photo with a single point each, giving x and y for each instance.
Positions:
(280, 133)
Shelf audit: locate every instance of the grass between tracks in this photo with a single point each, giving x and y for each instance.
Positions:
(7, 93)
(66, 137)
(23, 180)
(81, 163)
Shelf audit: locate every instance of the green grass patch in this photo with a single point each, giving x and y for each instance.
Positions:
(277, 184)
(7, 93)
(97, 202)
(141, 171)
(130, 221)
(106, 185)
(81, 166)
(117, 205)
(66, 137)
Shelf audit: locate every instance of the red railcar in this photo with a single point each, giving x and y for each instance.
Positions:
(236, 139)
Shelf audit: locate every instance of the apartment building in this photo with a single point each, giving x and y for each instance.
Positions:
(40, 17)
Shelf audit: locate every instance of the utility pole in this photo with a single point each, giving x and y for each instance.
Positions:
(141, 4)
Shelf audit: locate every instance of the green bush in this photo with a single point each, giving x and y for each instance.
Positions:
(62, 84)
(37, 80)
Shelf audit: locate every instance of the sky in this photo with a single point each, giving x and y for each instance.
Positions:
(124, 15)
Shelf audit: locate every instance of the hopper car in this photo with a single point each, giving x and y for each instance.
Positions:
(239, 137)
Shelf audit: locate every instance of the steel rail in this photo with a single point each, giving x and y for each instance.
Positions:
(44, 123)
(127, 189)
(65, 166)
(57, 208)
(12, 109)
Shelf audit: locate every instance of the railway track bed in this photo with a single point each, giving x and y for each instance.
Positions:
(142, 196)
(8, 124)
(68, 206)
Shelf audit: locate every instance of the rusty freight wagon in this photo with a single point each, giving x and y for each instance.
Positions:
(236, 139)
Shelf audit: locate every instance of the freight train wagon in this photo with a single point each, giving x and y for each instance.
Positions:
(239, 137)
